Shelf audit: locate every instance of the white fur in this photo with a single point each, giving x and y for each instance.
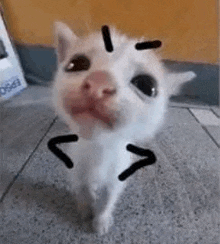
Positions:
(100, 155)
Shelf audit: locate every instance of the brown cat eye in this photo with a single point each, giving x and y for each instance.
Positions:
(79, 63)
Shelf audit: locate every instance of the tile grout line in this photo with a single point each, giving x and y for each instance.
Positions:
(189, 106)
(193, 116)
(204, 128)
(26, 162)
(215, 113)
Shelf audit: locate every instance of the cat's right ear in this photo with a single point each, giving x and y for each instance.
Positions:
(176, 80)
(64, 38)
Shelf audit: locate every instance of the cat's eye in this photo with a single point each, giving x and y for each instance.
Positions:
(146, 84)
(78, 63)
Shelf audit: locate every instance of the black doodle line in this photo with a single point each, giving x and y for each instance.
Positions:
(138, 46)
(139, 164)
(131, 148)
(107, 38)
(58, 152)
(148, 45)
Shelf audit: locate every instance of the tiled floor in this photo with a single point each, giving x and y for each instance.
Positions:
(206, 117)
(176, 201)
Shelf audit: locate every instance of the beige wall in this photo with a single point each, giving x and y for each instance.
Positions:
(188, 28)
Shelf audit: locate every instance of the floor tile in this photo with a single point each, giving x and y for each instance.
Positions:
(206, 117)
(215, 133)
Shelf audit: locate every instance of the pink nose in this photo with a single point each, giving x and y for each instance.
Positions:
(98, 85)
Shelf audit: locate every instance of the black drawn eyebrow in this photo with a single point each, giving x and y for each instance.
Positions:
(148, 45)
(138, 46)
(107, 38)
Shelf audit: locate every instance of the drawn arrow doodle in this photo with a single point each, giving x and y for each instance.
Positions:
(151, 158)
(52, 145)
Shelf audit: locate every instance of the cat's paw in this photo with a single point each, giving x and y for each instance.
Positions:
(101, 224)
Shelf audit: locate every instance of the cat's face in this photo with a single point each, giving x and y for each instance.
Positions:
(123, 91)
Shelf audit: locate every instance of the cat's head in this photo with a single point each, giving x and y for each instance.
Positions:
(121, 92)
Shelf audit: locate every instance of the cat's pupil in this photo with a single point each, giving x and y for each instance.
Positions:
(146, 84)
(79, 63)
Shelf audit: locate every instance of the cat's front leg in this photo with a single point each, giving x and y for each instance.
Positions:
(104, 219)
(85, 202)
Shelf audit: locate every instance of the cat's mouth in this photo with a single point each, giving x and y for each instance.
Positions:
(87, 111)
(92, 113)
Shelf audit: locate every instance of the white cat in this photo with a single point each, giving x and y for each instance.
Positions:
(109, 99)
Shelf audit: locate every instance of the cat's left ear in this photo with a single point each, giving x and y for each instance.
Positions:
(176, 80)
(64, 38)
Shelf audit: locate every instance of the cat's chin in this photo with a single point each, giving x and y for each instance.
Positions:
(91, 125)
